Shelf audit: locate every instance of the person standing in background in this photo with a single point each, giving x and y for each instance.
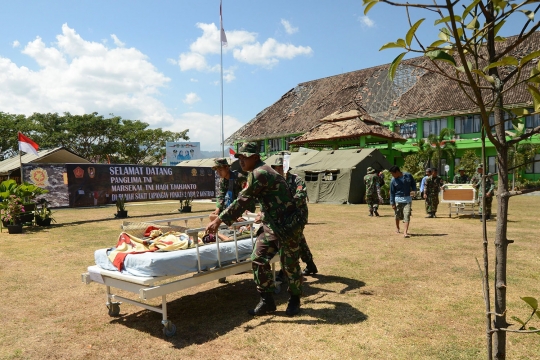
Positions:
(372, 182)
(401, 188)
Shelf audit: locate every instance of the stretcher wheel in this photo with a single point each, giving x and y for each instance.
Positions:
(114, 309)
(169, 329)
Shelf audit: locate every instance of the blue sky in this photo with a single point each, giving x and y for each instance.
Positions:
(158, 61)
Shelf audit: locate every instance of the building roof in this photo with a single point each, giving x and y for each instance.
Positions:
(414, 93)
(59, 155)
(347, 126)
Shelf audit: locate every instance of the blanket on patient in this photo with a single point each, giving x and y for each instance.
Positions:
(129, 245)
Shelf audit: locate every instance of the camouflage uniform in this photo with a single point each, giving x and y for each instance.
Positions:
(490, 190)
(222, 200)
(432, 188)
(297, 187)
(373, 183)
(282, 225)
(458, 179)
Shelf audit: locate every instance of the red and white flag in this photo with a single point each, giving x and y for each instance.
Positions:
(222, 31)
(231, 154)
(27, 145)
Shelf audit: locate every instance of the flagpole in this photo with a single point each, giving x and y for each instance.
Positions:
(222, 128)
(222, 38)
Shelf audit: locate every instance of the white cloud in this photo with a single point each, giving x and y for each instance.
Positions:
(193, 61)
(193, 80)
(117, 41)
(366, 21)
(208, 128)
(15, 44)
(172, 61)
(288, 27)
(269, 53)
(80, 76)
(242, 44)
(191, 98)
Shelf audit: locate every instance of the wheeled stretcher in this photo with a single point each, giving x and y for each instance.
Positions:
(461, 199)
(197, 265)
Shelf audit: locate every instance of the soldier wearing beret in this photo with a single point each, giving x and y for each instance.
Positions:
(297, 187)
(282, 224)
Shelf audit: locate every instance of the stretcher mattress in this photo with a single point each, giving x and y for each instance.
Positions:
(178, 262)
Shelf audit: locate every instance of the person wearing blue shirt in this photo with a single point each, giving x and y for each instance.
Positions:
(423, 182)
(401, 187)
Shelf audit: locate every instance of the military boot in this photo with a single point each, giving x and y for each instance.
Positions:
(370, 212)
(293, 307)
(311, 268)
(265, 306)
(376, 213)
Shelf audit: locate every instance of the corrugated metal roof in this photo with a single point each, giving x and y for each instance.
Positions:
(59, 155)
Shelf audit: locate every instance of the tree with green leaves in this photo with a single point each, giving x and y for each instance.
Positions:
(92, 136)
(486, 66)
(443, 146)
(521, 154)
(469, 161)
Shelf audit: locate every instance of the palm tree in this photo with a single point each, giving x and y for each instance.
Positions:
(443, 146)
(520, 153)
(425, 152)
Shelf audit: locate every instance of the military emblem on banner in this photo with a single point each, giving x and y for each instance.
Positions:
(193, 172)
(39, 177)
(78, 172)
(91, 172)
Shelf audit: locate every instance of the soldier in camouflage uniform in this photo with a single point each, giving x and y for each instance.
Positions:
(228, 191)
(461, 178)
(280, 232)
(431, 193)
(298, 190)
(373, 182)
(489, 185)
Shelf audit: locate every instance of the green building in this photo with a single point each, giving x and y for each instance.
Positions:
(414, 105)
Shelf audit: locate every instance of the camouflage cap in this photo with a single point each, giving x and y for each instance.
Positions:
(370, 170)
(480, 166)
(248, 149)
(461, 169)
(219, 162)
(278, 162)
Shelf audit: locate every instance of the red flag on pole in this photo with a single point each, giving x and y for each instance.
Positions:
(222, 31)
(27, 145)
(231, 154)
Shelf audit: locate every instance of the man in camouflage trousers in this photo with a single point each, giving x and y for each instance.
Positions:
(280, 232)
(231, 183)
(373, 182)
(431, 193)
(489, 185)
(461, 178)
(298, 190)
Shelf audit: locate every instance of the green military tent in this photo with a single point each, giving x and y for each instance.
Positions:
(337, 176)
(297, 158)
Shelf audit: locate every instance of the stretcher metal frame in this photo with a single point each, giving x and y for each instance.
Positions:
(153, 287)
